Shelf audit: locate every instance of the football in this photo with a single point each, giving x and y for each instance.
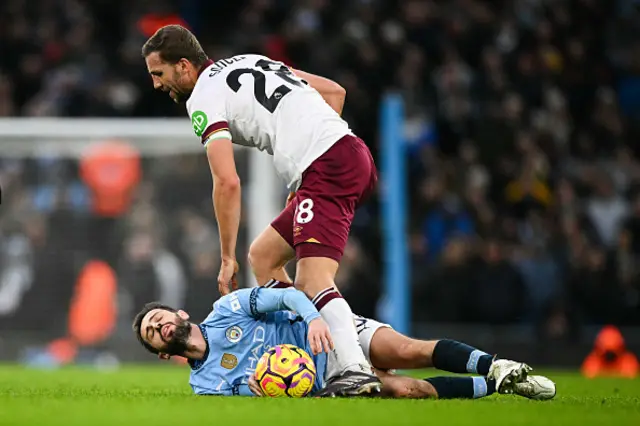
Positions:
(286, 370)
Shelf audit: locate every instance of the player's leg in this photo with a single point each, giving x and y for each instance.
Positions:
(392, 386)
(315, 277)
(532, 387)
(535, 387)
(405, 387)
(387, 349)
(273, 249)
(435, 387)
(325, 206)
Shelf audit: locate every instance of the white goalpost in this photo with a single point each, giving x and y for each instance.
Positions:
(263, 190)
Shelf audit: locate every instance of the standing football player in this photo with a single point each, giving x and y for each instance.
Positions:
(295, 117)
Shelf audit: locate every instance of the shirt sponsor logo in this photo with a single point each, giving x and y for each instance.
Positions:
(199, 121)
(258, 348)
(229, 361)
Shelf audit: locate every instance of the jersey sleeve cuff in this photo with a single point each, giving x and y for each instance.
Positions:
(223, 134)
(253, 302)
(310, 317)
(213, 129)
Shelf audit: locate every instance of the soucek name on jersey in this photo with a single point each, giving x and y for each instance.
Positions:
(242, 326)
(261, 103)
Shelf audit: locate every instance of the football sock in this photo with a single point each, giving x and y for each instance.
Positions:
(456, 357)
(462, 387)
(338, 316)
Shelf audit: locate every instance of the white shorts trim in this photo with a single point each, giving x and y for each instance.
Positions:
(366, 328)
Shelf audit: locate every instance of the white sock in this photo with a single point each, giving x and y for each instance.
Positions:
(339, 317)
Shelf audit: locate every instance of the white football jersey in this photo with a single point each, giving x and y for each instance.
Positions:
(260, 103)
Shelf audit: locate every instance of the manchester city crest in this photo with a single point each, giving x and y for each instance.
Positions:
(234, 334)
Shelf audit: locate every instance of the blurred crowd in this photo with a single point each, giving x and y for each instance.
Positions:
(521, 136)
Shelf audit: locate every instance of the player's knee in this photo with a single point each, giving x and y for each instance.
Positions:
(261, 264)
(252, 257)
(259, 258)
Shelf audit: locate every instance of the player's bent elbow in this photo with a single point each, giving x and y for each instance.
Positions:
(340, 97)
(228, 184)
(339, 91)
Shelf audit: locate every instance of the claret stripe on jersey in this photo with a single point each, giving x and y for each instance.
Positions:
(214, 128)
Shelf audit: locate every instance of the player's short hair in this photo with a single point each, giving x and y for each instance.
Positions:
(174, 42)
(137, 322)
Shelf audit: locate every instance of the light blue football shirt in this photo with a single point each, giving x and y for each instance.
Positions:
(241, 327)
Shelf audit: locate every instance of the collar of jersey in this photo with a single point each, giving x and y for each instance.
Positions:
(204, 66)
(196, 364)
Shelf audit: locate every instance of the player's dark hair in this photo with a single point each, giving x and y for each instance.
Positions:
(174, 42)
(137, 322)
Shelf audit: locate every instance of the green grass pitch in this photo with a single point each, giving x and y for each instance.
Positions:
(151, 396)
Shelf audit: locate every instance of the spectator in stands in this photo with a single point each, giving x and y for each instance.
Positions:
(522, 122)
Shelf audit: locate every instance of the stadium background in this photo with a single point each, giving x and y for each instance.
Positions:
(521, 138)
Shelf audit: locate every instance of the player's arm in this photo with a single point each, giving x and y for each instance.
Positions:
(226, 191)
(207, 108)
(332, 92)
(218, 386)
(262, 300)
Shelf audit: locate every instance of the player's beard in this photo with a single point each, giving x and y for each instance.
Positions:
(180, 94)
(180, 338)
(178, 97)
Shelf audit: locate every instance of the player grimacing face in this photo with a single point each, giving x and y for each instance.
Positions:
(167, 332)
(173, 78)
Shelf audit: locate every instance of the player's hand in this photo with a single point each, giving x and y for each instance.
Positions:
(320, 337)
(290, 198)
(227, 281)
(254, 386)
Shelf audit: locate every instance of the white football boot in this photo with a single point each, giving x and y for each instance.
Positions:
(539, 388)
(507, 374)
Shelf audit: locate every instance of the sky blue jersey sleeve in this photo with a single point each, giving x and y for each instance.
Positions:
(258, 301)
(222, 388)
